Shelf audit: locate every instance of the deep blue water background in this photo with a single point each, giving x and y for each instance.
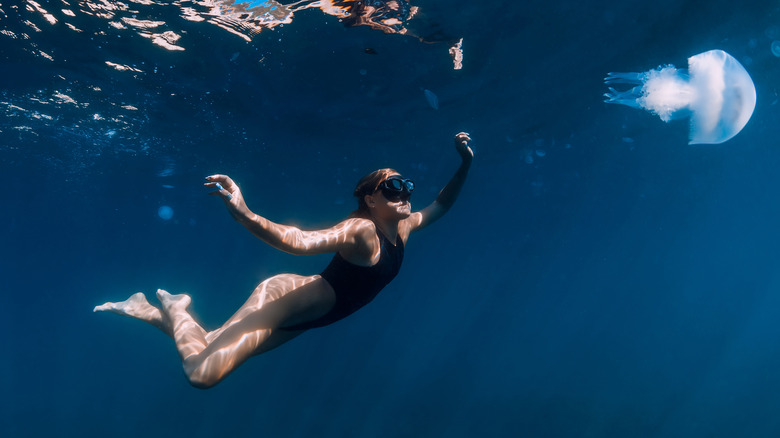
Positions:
(624, 284)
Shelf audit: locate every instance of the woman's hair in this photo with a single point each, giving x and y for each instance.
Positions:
(367, 186)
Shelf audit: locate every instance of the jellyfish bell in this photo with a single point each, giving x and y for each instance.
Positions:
(716, 92)
(726, 97)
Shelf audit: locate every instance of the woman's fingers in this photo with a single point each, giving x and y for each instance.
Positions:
(223, 184)
(225, 180)
(462, 140)
(219, 190)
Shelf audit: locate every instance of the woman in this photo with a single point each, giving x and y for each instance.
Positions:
(369, 248)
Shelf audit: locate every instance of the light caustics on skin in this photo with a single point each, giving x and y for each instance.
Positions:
(209, 356)
(716, 92)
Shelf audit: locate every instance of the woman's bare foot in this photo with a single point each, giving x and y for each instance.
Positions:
(189, 336)
(136, 307)
(171, 303)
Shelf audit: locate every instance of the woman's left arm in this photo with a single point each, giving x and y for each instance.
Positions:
(349, 235)
(449, 193)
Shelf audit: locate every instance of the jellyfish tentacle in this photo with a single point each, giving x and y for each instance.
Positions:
(628, 97)
(631, 78)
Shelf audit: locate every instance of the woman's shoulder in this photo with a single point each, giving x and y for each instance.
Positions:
(358, 222)
(360, 239)
(358, 227)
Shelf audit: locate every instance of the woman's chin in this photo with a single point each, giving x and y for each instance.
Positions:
(405, 211)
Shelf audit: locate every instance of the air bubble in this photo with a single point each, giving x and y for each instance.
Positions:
(776, 48)
(165, 212)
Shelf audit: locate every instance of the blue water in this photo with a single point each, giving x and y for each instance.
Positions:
(598, 277)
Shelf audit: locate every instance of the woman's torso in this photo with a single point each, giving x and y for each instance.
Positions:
(355, 285)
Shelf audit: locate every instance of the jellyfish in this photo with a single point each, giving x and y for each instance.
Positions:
(716, 93)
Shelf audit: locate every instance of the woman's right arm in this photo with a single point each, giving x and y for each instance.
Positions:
(347, 236)
(449, 193)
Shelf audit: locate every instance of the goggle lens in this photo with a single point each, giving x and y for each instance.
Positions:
(396, 189)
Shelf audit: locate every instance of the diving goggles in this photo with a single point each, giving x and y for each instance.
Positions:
(396, 188)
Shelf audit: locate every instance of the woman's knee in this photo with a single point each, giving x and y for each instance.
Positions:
(199, 374)
(201, 383)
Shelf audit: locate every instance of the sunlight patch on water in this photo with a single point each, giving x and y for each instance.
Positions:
(164, 22)
(49, 17)
(166, 40)
(243, 18)
(142, 24)
(121, 67)
(82, 107)
(75, 133)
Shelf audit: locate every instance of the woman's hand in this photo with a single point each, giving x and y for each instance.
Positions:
(462, 146)
(228, 190)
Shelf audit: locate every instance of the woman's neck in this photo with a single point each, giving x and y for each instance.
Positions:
(388, 228)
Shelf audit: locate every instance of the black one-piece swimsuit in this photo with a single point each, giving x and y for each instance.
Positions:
(355, 286)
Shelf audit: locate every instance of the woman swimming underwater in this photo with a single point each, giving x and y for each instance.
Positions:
(369, 247)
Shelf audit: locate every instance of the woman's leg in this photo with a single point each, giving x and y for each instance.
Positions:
(138, 307)
(189, 336)
(281, 300)
(208, 358)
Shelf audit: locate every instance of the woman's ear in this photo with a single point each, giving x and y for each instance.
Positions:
(370, 201)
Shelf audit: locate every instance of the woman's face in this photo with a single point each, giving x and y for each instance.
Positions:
(384, 208)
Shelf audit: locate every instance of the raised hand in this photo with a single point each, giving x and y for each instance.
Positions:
(461, 145)
(229, 191)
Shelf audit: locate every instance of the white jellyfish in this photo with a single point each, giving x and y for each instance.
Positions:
(716, 93)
